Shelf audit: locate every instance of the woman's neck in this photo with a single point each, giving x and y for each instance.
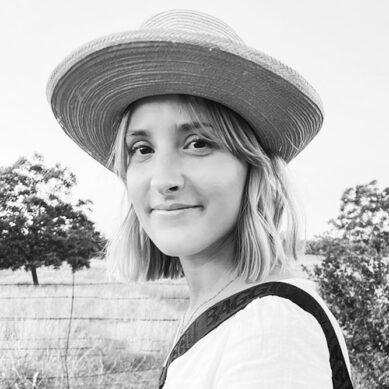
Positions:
(211, 280)
(207, 274)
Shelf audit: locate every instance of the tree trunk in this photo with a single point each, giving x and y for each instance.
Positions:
(34, 275)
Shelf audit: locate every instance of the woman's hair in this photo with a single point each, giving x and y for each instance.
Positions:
(268, 227)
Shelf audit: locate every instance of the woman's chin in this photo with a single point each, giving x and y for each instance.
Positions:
(177, 249)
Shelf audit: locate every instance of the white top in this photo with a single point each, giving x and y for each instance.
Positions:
(270, 344)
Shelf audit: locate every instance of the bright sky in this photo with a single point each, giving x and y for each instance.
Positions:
(340, 46)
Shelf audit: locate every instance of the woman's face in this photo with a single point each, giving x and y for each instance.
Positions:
(172, 161)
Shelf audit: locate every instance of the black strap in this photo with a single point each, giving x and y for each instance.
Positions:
(224, 309)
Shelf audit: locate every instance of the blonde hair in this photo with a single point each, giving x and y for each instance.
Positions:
(267, 206)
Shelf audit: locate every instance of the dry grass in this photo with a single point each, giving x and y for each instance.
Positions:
(101, 353)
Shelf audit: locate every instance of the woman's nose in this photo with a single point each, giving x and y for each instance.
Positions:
(167, 174)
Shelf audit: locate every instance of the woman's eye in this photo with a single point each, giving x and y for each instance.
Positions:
(200, 144)
(142, 150)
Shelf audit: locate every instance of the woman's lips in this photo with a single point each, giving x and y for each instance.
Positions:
(174, 212)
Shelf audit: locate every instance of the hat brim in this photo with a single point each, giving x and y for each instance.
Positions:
(90, 89)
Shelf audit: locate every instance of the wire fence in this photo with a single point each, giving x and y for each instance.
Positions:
(66, 355)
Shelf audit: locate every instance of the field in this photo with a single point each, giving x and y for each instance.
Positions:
(118, 337)
(108, 335)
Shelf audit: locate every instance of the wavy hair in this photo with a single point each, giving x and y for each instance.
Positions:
(268, 227)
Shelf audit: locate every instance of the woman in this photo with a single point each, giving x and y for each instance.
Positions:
(200, 128)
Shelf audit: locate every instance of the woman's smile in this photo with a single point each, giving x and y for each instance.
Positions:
(175, 213)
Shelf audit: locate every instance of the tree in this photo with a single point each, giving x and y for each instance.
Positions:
(39, 225)
(353, 278)
(364, 216)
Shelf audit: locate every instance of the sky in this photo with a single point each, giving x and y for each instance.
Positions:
(339, 46)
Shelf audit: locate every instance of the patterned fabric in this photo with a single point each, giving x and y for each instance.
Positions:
(226, 308)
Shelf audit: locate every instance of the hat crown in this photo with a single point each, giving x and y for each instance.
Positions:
(191, 21)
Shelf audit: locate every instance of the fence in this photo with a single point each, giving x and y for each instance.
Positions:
(88, 334)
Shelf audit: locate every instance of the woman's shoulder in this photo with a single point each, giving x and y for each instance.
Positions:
(276, 303)
(272, 311)
(277, 317)
(272, 342)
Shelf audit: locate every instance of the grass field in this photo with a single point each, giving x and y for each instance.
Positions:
(115, 337)
(118, 337)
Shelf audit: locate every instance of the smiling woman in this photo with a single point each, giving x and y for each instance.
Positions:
(164, 164)
(200, 128)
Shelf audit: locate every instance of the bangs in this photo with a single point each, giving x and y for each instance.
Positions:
(198, 111)
(228, 127)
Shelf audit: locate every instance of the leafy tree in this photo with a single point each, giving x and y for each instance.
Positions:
(39, 225)
(354, 279)
(364, 216)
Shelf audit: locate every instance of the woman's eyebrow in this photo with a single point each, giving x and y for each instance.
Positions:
(185, 127)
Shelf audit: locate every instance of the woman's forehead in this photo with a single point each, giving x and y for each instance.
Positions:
(192, 109)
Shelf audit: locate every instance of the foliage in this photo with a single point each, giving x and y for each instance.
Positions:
(354, 278)
(39, 225)
(364, 216)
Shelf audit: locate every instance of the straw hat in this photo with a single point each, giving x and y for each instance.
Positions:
(181, 52)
